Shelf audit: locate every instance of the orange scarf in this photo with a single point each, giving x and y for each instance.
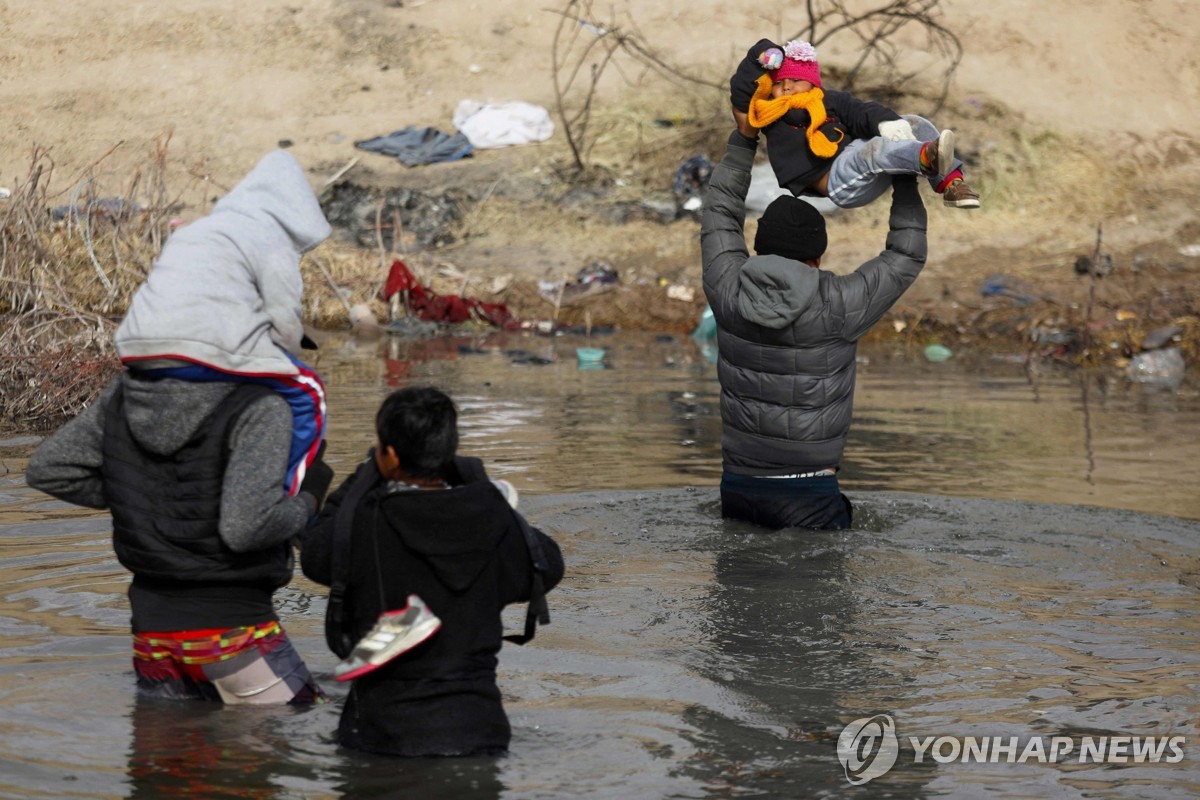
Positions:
(765, 109)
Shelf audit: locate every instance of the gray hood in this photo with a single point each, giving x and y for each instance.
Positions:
(275, 194)
(164, 414)
(225, 290)
(774, 291)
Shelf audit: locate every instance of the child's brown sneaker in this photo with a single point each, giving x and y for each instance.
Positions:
(960, 195)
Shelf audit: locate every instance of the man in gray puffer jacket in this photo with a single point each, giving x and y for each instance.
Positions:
(787, 334)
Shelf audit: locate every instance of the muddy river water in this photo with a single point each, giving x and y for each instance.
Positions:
(1023, 568)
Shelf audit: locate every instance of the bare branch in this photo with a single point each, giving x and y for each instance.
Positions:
(876, 31)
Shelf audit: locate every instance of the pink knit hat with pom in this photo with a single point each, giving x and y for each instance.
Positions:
(799, 63)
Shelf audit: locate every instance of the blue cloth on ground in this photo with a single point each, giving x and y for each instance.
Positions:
(414, 146)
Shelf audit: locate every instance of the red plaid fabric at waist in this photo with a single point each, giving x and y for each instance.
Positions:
(206, 646)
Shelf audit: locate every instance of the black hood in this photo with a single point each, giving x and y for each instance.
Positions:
(456, 552)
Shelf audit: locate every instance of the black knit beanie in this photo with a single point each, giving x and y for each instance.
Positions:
(791, 228)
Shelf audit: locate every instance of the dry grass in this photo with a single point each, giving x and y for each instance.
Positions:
(51, 368)
(85, 248)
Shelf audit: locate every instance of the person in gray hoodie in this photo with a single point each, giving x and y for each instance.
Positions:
(222, 301)
(190, 449)
(787, 336)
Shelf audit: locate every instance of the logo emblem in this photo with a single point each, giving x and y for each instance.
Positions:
(868, 748)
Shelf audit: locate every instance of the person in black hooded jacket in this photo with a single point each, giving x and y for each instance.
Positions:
(420, 526)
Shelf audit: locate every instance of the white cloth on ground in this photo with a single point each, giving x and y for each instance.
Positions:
(490, 125)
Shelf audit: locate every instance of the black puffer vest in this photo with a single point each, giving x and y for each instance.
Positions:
(166, 508)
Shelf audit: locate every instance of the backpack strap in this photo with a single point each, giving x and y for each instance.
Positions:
(471, 470)
(337, 631)
(538, 611)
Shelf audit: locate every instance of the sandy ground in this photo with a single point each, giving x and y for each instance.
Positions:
(1077, 114)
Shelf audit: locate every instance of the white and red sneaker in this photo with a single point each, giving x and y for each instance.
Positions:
(395, 632)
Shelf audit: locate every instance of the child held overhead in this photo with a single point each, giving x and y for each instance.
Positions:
(832, 144)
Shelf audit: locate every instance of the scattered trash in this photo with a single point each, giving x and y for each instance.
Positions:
(363, 322)
(672, 122)
(898, 325)
(413, 328)
(414, 146)
(937, 353)
(590, 356)
(488, 125)
(707, 327)
(679, 292)
(1099, 267)
(403, 219)
(598, 30)
(524, 357)
(690, 181)
(596, 278)
(1010, 358)
(1041, 334)
(5, 193)
(422, 302)
(1162, 367)
(1190, 250)
(1161, 337)
(598, 272)
(584, 330)
(1124, 315)
(1007, 286)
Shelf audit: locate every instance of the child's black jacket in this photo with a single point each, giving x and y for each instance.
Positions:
(462, 551)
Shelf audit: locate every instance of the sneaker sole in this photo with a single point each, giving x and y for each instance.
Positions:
(945, 152)
(962, 203)
(417, 635)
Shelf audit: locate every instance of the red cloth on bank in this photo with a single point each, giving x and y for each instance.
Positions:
(431, 307)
